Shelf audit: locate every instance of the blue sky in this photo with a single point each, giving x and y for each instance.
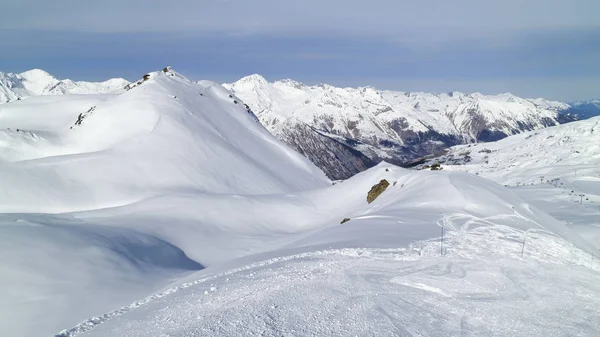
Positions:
(534, 48)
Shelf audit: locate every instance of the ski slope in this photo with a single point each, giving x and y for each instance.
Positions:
(367, 292)
(556, 169)
(567, 150)
(381, 273)
(169, 210)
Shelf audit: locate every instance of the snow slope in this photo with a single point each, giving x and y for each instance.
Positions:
(166, 137)
(400, 125)
(363, 292)
(38, 82)
(381, 273)
(556, 169)
(165, 134)
(554, 152)
(168, 209)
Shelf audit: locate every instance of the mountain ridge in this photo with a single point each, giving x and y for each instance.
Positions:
(36, 82)
(400, 125)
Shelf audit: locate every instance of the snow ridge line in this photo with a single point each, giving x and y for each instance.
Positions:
(95, 321)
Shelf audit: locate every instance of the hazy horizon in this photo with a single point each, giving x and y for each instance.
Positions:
(546, 49)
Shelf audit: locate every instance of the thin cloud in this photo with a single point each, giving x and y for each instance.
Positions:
(493, 43)
(262, 16)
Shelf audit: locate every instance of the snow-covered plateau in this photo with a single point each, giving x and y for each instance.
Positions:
(167, 209)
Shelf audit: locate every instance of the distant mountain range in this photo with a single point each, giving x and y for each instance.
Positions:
(345, 130)
(38, 82)
(586, 109)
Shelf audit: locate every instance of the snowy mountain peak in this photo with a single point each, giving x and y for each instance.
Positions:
(291, 83)
(35, 73)
(254, 79)
(39, 82)
(166, 132)
(590, 101)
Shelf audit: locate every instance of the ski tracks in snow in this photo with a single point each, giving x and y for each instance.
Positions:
(463, 244)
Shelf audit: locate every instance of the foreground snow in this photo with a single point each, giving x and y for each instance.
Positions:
(322, 281)
(363, 292)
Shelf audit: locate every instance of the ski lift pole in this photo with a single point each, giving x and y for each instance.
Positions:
(442, 243)
(523, 246)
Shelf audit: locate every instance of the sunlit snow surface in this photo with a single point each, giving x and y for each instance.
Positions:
(326, 283)
(169, 211)
(556, 169)
(367, 113)
(369, 292)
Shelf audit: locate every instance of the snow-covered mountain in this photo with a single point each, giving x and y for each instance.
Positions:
(558, 168)
(167, 209)
(186, 148)
(163, 119)
(38, 82)
(388, 125)
(586, 109)
(553, 152)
